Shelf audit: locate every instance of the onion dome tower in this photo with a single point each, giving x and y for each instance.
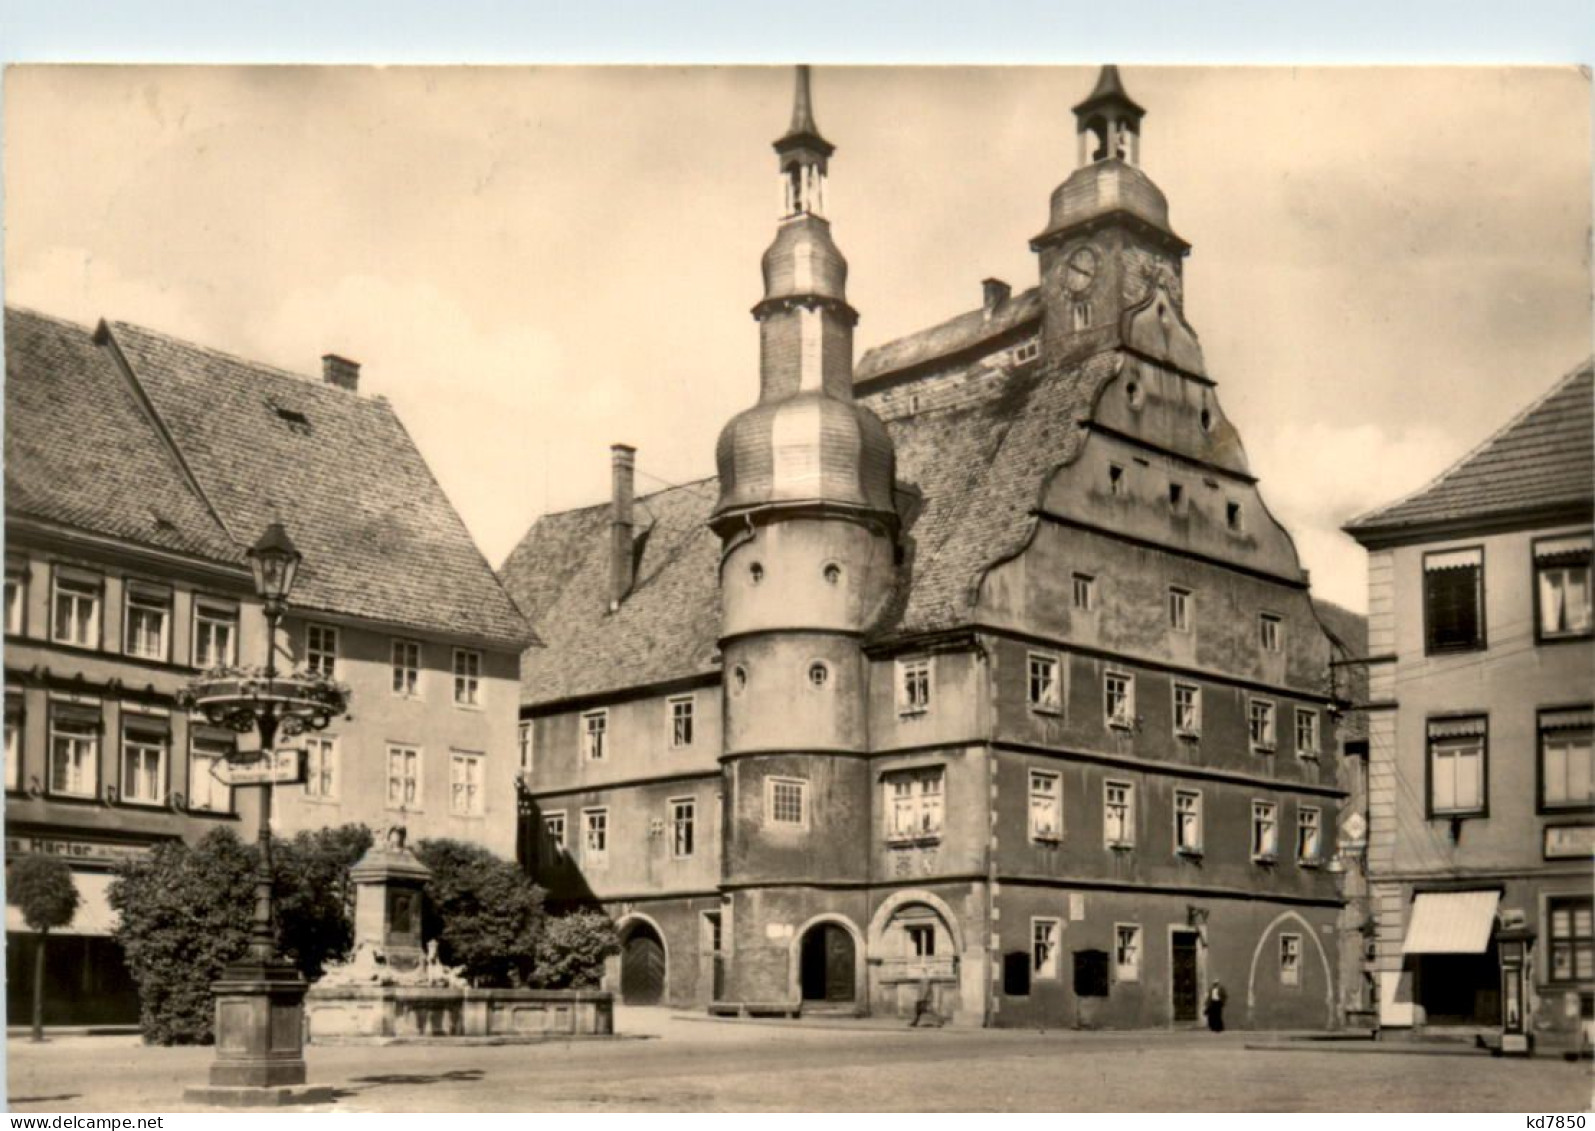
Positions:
(808, 532)
(1108, 236)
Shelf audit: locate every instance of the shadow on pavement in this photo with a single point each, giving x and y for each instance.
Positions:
(456, 1076)
(43, 1099)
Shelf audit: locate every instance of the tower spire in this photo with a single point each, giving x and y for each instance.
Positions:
(1109, 121)
(803, 153)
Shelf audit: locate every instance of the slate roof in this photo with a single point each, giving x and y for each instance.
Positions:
(967, 331)
(1542, 458)
(381, 541)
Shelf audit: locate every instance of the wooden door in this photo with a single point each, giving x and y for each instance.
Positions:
(827, 964)
(642, 968)
(1185, 979)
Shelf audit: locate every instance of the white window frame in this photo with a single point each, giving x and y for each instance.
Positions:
(79, 591)
(321, 649)
(404, 658)
(468, 678)
(409, 778)
(200, 762)
(1045, 931)
(1044, 683)
(1124, 718)
(147, 599)
(467, 798)
(595, 837)
(1309, 827)
(1083, 592)
(16, 599)
(1128, 936)
(915, 803)
(321, 767)
(1192, 727)
(1194, 811)
(554, 826)
(85, 738)
(1289, 959)
(683, 813)
(214, 619)
(801, 786)
(595, 735)
(914, 678)
(1449, 754)
(1050, 790)
(1560, 754)
(1271, 632)
(682, 717)
(1180, 601)
(1265, 831)
(526, 751)
(1125, 808)
(1262, 738)
(143, 745)
(1313, 747)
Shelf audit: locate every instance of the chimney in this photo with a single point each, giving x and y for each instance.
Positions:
(340, 371)
(623, 462)
(993, 292)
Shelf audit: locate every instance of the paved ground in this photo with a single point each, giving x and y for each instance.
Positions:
(668, 1063)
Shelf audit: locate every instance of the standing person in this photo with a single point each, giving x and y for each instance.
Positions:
(1213, 1007)
(925, 1003)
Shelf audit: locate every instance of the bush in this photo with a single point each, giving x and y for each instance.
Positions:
(186, 913)
(571, 950)
(483, 911)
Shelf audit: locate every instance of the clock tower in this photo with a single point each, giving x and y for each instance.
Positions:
(1108, 244)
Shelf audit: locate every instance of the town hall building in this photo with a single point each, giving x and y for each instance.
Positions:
(979, 676)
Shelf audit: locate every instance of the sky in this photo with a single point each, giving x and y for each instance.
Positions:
(533, 263)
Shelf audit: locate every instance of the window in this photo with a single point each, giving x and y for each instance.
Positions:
(465, 785)
(13, 741)
(1307, 733)
(819, 674)
(1177, 497)
(1571, 936)
(920, 939)
(595, 735)
(1119, 699)
(407, 668)
(1562, 587)
(467, 678)
(1187, 710)
(206, 751)
(1085, 592)
(1179, 609)
(1081, 315)
(914, 804)
(683, 819)
(74, 749)
(16, 599)
(1265, 831)
(832, 573)
(1044, 947)
(1127, 952)
(1290, 960)
(404, 777)
(1118, 814)
(713, 933)
(554, 830)
(913, 687)
(1567, 775)
(1115, 479)
(76, 612)
(321, 767)
(1026, 351)
(215, 634)
(1453, 600)
(147, 629)
(1270, 632)
(1044, 692)
(144, 742)
(1232, 516)
(1309, 831)
(1046, 805)
(595, 837)
(1260, 723)
(1456, 766)
(321, 650)
(681, 722)
(786, 801)
(1188, 822)
(523, 746)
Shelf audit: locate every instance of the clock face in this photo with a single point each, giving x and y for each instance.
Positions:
(1080, 271)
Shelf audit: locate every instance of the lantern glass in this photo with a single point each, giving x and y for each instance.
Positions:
(275, 563)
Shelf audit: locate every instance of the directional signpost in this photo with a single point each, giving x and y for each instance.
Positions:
(284, 766)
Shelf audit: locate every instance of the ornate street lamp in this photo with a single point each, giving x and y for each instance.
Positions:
(260, 999)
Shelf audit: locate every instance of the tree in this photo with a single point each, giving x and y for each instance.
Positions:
(41, 888)
(571, 949)
(315, 897)
(483, 911)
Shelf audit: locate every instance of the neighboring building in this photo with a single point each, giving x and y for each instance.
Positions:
(137, 469)
(1480, 799)
(982, 672)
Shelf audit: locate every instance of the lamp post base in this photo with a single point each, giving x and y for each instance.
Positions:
(260, 1027)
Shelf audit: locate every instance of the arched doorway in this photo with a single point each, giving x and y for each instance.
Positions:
(826, 967)
(642, 966)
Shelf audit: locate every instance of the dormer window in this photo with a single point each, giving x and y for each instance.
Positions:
(1176, 497)
(1232, 516)
(1115, 479)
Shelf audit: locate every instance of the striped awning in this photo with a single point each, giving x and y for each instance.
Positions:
(94, 915)
(1451, 922)
(1453, 559)
(1577, 719)
(1568, 550)
(1469, 727)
